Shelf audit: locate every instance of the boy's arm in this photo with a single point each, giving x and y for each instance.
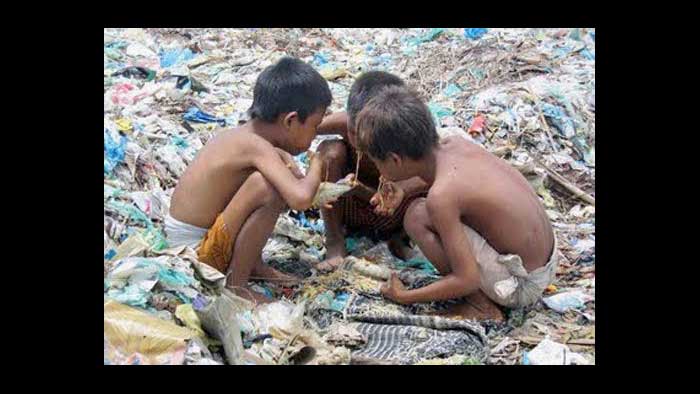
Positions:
(412, 185)
(464, 278)
(297, 193)
(335, 123)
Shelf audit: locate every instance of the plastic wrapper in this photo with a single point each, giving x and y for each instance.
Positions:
(130, 331)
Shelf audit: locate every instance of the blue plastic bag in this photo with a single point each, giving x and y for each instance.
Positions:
(419, 263)
(339, 302)
(318, 226)
(452, 90)
(114, 152)
(586, 53)
(320, 59)
(179, 142)
(474, 33)
(195, 115)
(350, 244)
(172, 57)
(429, 36)
(439, 111)
(559, 119)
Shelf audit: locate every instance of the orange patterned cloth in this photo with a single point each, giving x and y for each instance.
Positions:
(216, 248)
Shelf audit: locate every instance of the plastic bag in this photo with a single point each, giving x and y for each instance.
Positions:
(549, 352)
(132, 331)
(172, 57)
(562, 302)
(114, 152)
(219, 318)
(194, 114)
(474, 33)
(186, 314)
(282, 315)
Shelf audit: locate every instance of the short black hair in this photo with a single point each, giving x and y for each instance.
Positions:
(396, 120)
(365, 87)
(286, 86)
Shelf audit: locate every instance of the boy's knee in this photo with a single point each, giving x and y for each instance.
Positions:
(416, 219)
(334, 151)
(265, 191)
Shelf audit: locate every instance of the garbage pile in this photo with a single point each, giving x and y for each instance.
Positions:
(526, 95)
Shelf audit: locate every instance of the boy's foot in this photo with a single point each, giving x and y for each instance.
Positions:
(330, 264)
(477, 306)
(335, 255)
(264, 272)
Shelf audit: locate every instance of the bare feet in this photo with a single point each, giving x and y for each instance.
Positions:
(476, 307)
(335, 255)
(330, 264)
(263, 271)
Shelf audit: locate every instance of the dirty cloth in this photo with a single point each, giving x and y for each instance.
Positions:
(410, 344)
(216, 249)
(503, 277)
(358, 215)
(183, 234)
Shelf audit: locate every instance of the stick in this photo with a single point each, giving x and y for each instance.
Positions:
(577, 342)
(357, 166)
(581, 342)
(567, 185)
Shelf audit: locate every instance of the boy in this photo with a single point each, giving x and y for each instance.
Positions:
(228, 200)
(359, 209)
(481, 225)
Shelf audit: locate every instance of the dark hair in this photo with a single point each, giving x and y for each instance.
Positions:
(365, 87)
(286, 86)
(396, 120)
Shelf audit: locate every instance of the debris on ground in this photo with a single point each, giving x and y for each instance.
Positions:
(526, 95)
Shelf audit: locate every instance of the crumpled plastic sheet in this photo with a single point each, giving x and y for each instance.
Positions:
(114, 151)
(134, 280)
(172, 57)
(562, 302)
(194, 114)
(549, 352)
(474, 33)
(135, 337)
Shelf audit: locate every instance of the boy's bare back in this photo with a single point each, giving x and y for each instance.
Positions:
(219, 170)
(214, 176)
(493, 198)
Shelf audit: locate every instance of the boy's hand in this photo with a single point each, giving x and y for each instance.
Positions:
(388, 199)
(288, 159)
(393, 289)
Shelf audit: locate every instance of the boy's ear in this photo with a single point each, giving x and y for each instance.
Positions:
(396, 159)
(287, 121)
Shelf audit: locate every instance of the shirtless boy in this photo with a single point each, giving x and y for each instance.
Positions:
(481, 225)
(228, 200)
(360, 210)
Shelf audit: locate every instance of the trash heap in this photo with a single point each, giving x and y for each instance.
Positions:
(526, 95)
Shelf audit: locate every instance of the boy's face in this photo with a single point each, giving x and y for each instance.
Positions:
(303, 133)
(391, 168)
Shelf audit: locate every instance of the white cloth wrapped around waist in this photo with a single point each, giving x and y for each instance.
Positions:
(182, 234)
(504, 279)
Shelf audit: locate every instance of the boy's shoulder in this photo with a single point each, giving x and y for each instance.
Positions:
(240, 137)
